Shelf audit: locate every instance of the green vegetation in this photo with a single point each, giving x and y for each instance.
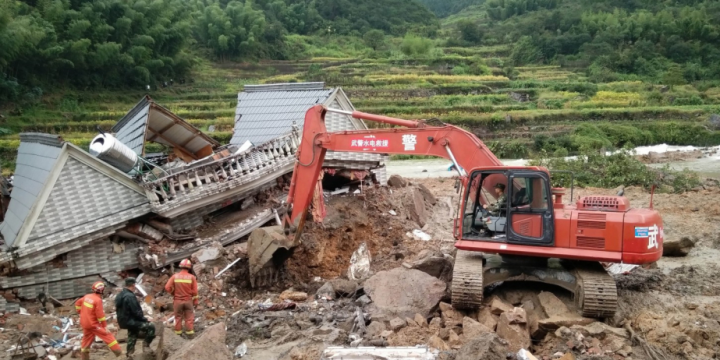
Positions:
(529, 77)
(595, 169)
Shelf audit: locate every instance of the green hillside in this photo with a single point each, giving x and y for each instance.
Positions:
(525, 76)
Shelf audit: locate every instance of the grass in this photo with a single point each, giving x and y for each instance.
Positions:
(556, 101)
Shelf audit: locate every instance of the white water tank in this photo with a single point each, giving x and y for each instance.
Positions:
(107, 148)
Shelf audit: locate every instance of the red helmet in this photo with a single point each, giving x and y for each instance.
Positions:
(99, 287)
(186, 264)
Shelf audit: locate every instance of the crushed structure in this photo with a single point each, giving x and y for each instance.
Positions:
(74, 217)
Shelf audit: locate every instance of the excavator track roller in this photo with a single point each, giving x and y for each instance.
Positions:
(467, 282)
(596, 294)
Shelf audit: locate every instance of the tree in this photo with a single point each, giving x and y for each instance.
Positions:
(673, 76)
(374, 39)
(470, 32)
(413, 45)
(525, 52)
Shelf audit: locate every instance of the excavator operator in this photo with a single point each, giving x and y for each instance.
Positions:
(501, 202)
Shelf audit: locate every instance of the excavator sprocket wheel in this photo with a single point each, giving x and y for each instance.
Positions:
(467, 282)
(597, 292)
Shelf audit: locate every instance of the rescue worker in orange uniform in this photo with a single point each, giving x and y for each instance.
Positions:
(183, 286)
(93, 322)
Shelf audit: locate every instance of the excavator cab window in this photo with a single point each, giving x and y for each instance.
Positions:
(509, 206)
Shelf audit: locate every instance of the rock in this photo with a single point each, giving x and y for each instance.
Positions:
(420, 320)
(404, 292)
(397, 181)
(386, 334)
(553, 323)
(326, 291)
(600, 330)
(438, 266)
(411, 322)
(567, 356)
(209, 345)
(435, 324)
(525, 355)
(415, 204)
(517, 316)
(678, 247)
(516, 335)
(486, 318)
(551, 304)
(293, 295)
(397, 324)
(472, 329)
(344, 287)
(453, 339)
(363, 300)
(534, 326)
(715, 121)
(487, 346)
(436, 342)
(375, 329)
(212, 252)
(427, 194)
(497, 306)
(444, 333)
(450, 316)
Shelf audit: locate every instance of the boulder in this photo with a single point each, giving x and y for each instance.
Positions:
(326, 290)
(435, 324)
(516, 335)
(516, 316)
(415, 204)
(556, 322)
(551, 304)
(212, 252)
(375, 329)
(487, 346)
(436, 265)
(344, 287)
(427, 194)
(404, 292)
(497, 306)
(472, 329)
(397, 324)
(453, 339)
(436, 342)
(209, 345)
(450, 316)
(411, 322)
(397, 181)
(678, 247)
(601, 330)
(420, 320)
(486, 318)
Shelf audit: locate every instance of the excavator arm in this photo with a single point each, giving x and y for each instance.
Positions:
(461, 147)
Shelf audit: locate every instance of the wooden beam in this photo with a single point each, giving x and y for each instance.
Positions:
(162, 131)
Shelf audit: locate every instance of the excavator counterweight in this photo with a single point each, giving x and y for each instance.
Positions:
(512, 225)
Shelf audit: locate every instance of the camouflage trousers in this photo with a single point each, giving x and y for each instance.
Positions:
(146, 331)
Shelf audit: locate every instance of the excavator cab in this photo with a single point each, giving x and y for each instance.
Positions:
(517, 209)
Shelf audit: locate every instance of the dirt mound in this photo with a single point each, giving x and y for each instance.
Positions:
(376, 217)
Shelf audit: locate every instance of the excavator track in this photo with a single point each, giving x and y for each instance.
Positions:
(467, 282)
(597, 292)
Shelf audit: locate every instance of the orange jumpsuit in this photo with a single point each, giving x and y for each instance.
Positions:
(93, 322)
(183, 286)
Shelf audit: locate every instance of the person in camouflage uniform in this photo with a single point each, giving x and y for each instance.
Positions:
(130, 317)
(501, 204)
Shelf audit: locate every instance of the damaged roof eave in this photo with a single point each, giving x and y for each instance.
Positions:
(69, 150)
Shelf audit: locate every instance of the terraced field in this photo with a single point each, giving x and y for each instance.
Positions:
(542, 108)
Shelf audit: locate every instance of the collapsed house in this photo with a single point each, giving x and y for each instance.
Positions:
(75, 217)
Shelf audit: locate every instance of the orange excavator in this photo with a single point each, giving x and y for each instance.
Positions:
(511, 224)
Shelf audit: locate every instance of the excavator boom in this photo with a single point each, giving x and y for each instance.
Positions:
(461, 147)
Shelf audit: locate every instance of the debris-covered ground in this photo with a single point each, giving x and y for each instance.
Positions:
(368, 276)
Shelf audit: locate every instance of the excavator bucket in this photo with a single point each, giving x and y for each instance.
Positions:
(268, 248)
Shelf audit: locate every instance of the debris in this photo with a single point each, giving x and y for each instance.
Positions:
(344, 287)
(397, 324)
(498, 306)
(618, 269)
(517, 335)
(209, 345)
(277, 307)
(551, 304)
(397, 181)
(404, 292)
(485, 317)
(370, 353)
(419, 235)
(472, 329)
(326, 292)
(241, 350)
(450, 316)
(436, 342)
(209, 253)
(678, 247)
(392, 212)
(555, 322)
(293, 295)
(227, 267)
(375, 329)
(525, 355)
(486, 346)
(434, 264)
(359, 263)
